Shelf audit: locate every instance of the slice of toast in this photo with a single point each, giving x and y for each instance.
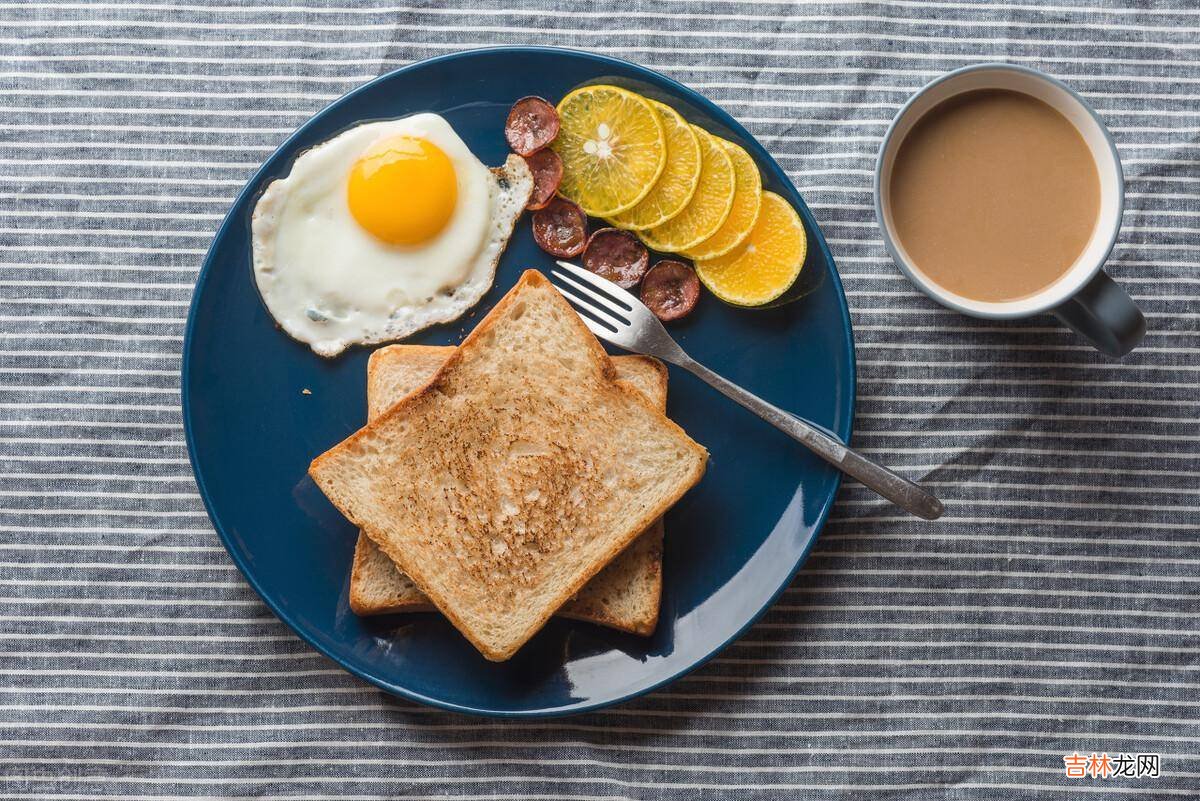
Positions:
(516, 474)
(624, 595)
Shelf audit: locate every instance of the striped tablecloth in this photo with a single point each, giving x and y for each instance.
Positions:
(1054, 612)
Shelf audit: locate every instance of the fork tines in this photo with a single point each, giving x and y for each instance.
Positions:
(604, 307)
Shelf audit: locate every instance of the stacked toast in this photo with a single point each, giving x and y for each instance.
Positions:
(520, 475)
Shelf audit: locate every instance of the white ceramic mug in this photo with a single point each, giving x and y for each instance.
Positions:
(1084, 298)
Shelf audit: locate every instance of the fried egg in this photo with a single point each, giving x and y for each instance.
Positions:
(384, 230)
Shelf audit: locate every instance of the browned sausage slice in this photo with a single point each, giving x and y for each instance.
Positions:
(670, 290)
(618, 256)
(560, 229)
(532, 124)
(547, 169)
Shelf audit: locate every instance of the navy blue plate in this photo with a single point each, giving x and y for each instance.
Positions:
(733, 543)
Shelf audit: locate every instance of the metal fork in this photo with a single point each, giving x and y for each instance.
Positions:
(626, 322)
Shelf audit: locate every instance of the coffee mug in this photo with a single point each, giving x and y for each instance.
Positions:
(1084, 298)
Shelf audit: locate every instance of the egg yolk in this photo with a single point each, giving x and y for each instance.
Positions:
(403, 190)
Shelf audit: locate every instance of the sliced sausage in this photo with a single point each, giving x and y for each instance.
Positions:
(532, 124)
(547, 169)
(560, 229)
(670, 290)
(618, 256)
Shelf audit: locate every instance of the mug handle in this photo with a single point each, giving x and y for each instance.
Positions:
(1105, 315)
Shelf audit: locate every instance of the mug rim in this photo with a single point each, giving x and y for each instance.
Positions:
(1053, 295)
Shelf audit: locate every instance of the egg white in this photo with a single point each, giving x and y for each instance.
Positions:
(331, 284)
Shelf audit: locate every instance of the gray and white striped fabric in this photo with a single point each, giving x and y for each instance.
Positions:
(1055, 611)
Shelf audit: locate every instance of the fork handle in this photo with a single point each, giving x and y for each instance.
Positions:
(897, 489)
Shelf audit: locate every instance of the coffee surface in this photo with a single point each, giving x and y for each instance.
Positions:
(994, 194)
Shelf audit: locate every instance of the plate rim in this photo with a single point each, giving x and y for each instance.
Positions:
(252, 185)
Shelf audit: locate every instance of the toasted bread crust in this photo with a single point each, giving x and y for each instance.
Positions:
(324, 471)
(361, 602)
(584, 607)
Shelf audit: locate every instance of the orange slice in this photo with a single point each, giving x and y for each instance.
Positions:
(747, 200)
(708, 208)
(612, 146)
(764, 266)
(677, 184)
